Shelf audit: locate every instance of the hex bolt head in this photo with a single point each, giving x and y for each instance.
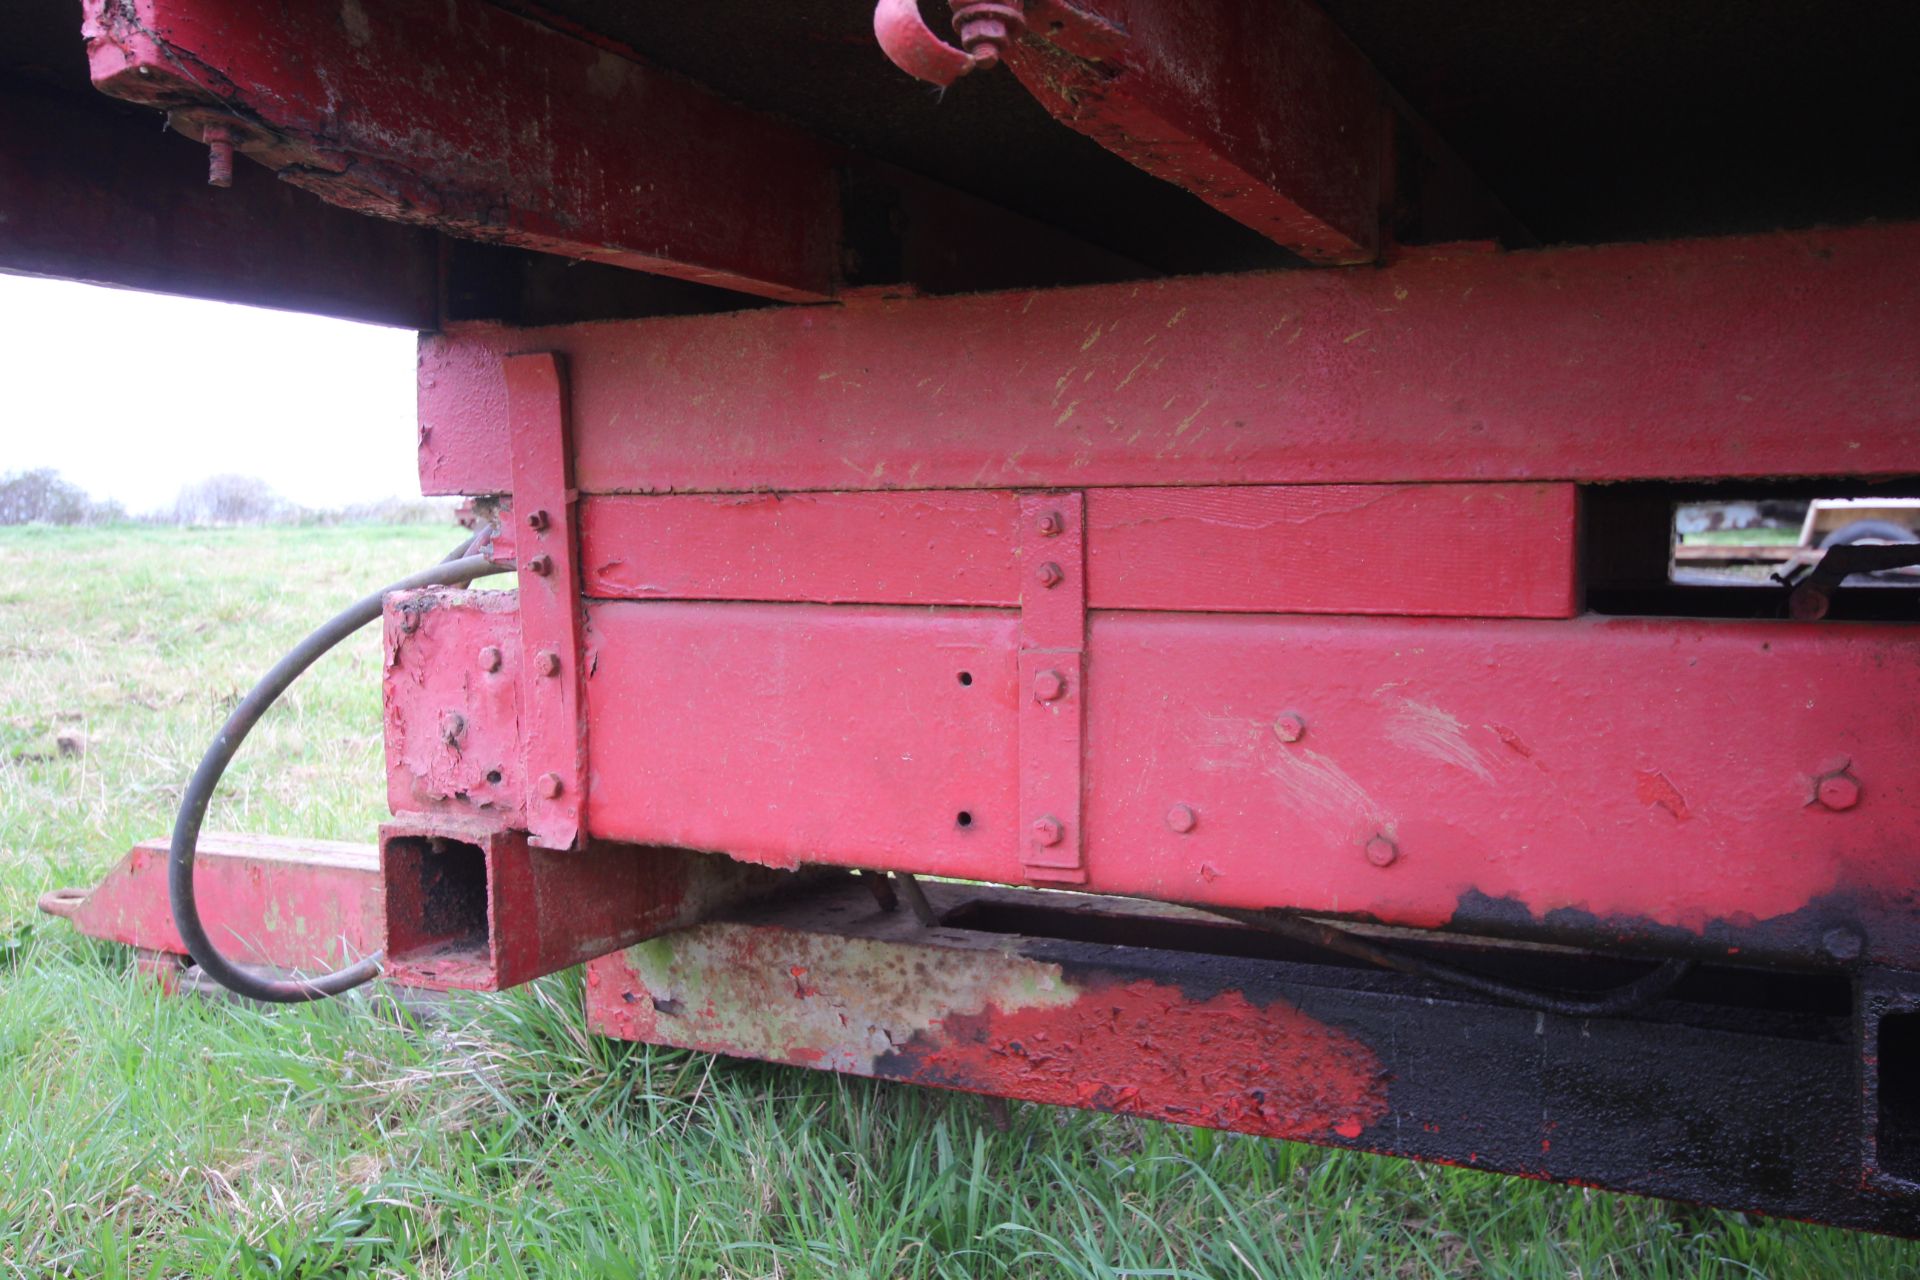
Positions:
(537, 521)
(1838, 791)
(1181, 818)
(1290, 728)
(1052, 524)
(1049, 686)
(547, 662)
(490, 658)
(1047, 832)
(1050, 574)
(550, 786)
(1382, 852)
(540, 565)
(1843, 943)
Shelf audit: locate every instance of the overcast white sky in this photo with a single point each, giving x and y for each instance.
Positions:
(132, 395)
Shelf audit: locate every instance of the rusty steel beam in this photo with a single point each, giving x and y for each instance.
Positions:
(1739, 1089)
(1778, 355)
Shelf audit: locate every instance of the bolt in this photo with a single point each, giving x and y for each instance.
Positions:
(1047, 832)
(452, 726)
(1838, 791)
(540, 566)
(1052, 525)
(537, 521)
(1382, 852)
(1290, 727)
(550, 786)
(219, 140)
(1181, 818)
(1050, 574)
(1843, 943)
(409, 621)
(1049, 686)
(547, 662)
(490, 658)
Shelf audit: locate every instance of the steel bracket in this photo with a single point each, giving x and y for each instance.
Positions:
(553, 732)
(1052, 690)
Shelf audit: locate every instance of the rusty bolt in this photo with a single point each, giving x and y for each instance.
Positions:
(1382, 852)
(1049, 686)
(1843, 943)
(1838, 791)
(537, 521)
(550, 786)
(452, 726)
(1047, 832)
(219, 140)
(1050, 574)
(547, 662)
(1052, 525)
(490, 658)
(1181, 818)
(540, 565)
(409, 621)
(1290, 728)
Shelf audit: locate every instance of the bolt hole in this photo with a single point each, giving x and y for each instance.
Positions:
(964, 818)
(493, 776)
(966, 677)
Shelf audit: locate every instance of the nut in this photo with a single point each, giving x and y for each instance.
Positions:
(1838, 791)
(490, 658)
(1050, 574)
(537, 521)
(1049, 686)
(541, 565)
(1382, 852)
(1052, 525)
(1181, 818)
(1047, 832)
(550, 786)
(547, 662)
(1290, 728)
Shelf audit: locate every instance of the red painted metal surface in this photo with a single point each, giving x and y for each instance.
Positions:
(1491, 550)
(487, 124)
(552, 738)
(914, 48)
(311, 905)
(1262, 108)
(452, 705)
(1755, 356)
(1487, 550)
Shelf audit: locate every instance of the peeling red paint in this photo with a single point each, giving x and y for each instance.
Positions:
(1655, 788)
(1145, 1049)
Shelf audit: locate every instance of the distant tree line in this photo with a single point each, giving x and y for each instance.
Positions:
(44, 496)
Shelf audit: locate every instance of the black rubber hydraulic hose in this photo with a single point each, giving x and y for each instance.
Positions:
(461, 568)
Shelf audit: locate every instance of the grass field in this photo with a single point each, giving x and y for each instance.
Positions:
(149, 1136)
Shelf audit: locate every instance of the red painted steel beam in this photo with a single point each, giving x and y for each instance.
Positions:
(475, 120)
(1776, 355)
(1262, 108)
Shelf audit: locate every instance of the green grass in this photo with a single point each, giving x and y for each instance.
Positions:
(149, 1136)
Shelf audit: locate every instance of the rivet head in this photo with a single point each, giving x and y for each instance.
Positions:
(1290, 728)
(537, 521)
(1838, 791)
(1051, 525)
(452, 726)
(540, 565)
(547, 662)
(550, 786)
(1382, 852)
(1050, 574)
(490, 658)
(1049, 686)
(1181, 818)
(1047, 832)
